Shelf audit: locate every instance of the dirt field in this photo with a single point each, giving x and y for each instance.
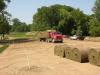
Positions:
(37, 58)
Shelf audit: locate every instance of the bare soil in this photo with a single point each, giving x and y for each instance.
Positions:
(37, 58)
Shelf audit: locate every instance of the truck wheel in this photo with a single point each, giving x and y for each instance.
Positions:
(61, 41)
(53, 41)
(44, 40)
(47, 40)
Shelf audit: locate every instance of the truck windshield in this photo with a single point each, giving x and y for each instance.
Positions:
(57, 33)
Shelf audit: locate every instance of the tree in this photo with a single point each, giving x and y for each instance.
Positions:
(4, 25)
(49, 17)
(16, 22)
(3, 4)
(19, 26)
(32, 27)
(4, 18)
(96, 10)
(61, 18)
(79, 31)
(94, 27)
(23, 27)
(80, 20)
(66, 22)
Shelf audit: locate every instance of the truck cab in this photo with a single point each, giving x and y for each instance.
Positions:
(56, 36)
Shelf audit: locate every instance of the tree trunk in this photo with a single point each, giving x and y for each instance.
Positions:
(3, 35)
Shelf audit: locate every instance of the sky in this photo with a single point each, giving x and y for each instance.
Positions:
(25, 9)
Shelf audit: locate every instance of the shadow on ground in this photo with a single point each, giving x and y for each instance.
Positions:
(18, 40)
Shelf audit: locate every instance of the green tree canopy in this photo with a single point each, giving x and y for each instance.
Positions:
(3, 4)
(4, 18)
(94, 27)
(62, 18)
(19, 26)
(23, 27)
(16, 22)
(96, 10)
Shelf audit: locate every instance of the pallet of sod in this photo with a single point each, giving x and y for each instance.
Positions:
(59, 50)
(79, 54)
(94, 56)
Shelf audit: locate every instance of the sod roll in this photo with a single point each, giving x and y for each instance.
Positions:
(56, 50)
(98, 57)
(59, 50)
(68, 52)
(94, 56)
(79, 54)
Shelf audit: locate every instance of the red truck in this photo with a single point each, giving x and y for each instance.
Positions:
(52, 36)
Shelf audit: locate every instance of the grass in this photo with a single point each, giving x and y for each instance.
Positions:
(36, 34)
(22, 34)
(3, 48)
(18, 35)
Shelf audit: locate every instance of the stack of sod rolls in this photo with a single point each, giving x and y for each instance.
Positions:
(78, 53)
(43, 34)
(94, 56)
(59, 50)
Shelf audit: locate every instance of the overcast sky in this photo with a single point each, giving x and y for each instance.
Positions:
(25, 9)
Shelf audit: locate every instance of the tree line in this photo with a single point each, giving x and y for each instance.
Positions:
(18, 26)
(4, 18)
(65, 19)
(68, 20)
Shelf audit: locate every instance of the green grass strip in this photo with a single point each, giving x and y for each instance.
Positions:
(36, 34)
(23, 34)
(17, 34)
(3, 48)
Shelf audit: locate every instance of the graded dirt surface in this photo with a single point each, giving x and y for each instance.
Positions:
(37, 58)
